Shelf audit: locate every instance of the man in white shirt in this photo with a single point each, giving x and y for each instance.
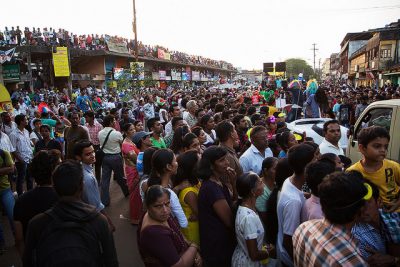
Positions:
(23, 152)
(252, 158)
(174, 111)
(332, 133)
(7, 125)
(291, 201)
(112, 161)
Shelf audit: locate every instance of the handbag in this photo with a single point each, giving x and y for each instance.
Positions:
(100, 153)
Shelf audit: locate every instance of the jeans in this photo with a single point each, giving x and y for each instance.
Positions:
(112, 163)
(23, 173)
(8, 201)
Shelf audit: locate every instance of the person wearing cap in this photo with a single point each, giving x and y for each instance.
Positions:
(329, 241)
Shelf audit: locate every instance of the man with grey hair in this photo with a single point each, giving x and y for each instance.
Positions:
(190, 115)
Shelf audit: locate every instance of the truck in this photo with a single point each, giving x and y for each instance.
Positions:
(384, 113)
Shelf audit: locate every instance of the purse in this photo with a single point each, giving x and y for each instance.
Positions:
(100, 153)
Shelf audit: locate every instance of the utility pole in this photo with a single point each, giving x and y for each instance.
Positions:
(135, 30)
(314, 50)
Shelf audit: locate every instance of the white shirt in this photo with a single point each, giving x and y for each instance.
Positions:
(8, 129)
(168, 128)
(327, 147)
(252, 159)
(177, 210)
(289, 207)
(113, 145)
(22, 143)
(5, 143)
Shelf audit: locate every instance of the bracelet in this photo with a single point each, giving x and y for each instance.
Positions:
(194, 245)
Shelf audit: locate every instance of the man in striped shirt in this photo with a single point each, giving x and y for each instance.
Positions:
(329, 242)
(94, 127)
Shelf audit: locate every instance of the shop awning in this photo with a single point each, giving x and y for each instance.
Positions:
(392, 73)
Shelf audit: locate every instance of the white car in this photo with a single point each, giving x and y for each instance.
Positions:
(314, 128)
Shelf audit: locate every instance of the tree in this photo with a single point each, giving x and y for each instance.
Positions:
(294, 66)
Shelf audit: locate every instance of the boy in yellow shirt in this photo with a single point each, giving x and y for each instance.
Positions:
(385, 174)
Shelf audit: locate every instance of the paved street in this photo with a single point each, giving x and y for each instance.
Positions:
(125, 234)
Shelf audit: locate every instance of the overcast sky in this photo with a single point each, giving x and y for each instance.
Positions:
(245, 33)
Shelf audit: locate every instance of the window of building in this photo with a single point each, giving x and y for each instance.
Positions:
(386, 53)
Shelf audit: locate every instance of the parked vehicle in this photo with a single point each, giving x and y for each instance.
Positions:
(384, 113)
(313, 127)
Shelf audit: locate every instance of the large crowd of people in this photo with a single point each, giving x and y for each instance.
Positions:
(14, 36)
(213, 178)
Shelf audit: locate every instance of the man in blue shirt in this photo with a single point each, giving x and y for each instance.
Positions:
(84, 152)
(83, 101)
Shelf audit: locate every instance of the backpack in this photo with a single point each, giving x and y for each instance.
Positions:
(68, 243)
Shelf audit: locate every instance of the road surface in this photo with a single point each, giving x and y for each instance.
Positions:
(124, 236)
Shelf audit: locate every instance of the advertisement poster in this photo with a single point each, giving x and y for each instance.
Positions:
(118, 72)
(162, 75)
(60, 61)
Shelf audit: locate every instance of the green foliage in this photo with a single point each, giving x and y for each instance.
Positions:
(294, 66)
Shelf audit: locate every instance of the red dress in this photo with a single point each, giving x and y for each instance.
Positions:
(132, 180)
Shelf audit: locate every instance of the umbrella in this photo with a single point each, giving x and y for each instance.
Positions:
(43, 107)
(295, 84)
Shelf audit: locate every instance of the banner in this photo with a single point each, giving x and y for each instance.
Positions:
(167, 56)
(162, 75)
(60, 62)
(161, 53)
(195, 76)
(6, 55)
(137, 67)
(117, 45)
(118, 72)
(11, 73)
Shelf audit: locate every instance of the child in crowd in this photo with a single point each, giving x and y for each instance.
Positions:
(373, 143)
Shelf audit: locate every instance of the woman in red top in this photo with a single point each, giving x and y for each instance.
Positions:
(130, 152)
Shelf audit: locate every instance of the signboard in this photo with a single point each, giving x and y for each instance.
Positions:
(117, 45)
(175, 75)
(167, 56)
(60, 62)
(195, 76)
(138, 66)
(162, 75)
(11, 73)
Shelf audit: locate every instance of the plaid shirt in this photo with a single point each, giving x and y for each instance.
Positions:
(94, 131)
(320, 243)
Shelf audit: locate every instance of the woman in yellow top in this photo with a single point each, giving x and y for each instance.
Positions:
(187, 188)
